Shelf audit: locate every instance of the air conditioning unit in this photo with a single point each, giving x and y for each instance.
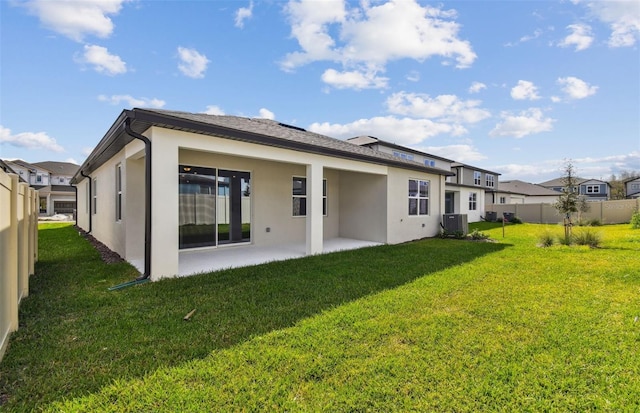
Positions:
(455, 223)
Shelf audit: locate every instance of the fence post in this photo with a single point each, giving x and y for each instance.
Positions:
(12, 252)
(23, 242)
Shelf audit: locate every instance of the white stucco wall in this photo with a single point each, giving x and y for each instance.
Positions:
(402, 227)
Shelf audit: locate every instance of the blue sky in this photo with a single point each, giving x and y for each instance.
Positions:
(516, 87)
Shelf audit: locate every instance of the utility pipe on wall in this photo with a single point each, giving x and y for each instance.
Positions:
(147, 198)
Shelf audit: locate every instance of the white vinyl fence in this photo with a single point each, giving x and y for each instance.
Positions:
(607, 212)
(18, 249)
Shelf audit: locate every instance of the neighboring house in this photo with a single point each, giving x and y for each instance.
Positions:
(466, 191)
(591, 189)
(163, 187)
(52, 180)
(632, 188)
(520, 192)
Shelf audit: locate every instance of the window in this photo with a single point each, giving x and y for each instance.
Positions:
(477, 178)
(119, 192)
(593, 189)
(429, 162)
(635, 186)
(473, 201)
(95, 196)
(300, 197)
(418, 197)
(503, 199)
(39, 178)
(490, 181)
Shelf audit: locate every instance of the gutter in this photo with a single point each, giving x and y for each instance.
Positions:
(147, 198)
(90, 200)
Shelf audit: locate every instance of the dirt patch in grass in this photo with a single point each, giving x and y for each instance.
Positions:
(107, 255)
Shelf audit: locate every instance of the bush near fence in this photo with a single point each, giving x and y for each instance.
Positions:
(606, 212)
(18, 249)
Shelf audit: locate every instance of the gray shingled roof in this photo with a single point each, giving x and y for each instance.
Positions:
(58, 168)
(258, 131)
(525, 188)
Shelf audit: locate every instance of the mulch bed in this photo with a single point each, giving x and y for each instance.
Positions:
(108, 256)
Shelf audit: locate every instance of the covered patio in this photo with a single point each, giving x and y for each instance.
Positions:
(234, 256)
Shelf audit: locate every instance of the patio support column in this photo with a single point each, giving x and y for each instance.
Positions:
(164, 212)
(315, 174)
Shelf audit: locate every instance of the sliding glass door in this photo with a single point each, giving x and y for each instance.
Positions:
(214, 207)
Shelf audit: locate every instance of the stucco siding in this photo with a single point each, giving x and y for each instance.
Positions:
(363, 206)
(401, 226)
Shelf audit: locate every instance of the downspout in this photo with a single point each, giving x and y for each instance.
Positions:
(90, 200)
(147, 198)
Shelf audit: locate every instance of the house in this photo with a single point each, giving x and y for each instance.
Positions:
(176, 193)
(520, 192)
(591, 189)
(466, 191)
(632, 188)
(52, 181)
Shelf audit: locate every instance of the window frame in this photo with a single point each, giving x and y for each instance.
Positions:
(418, 197)
(477, 178)
(94, 209)
(325, 198)
(118, 192)
(473, 201)
(490, 181)
(592, 189)
(503, 199)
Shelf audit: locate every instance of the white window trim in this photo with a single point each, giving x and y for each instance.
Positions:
(592, 189)
(118, 192)
(418, 197)
(490, 181)
(473, 200)
(94, 209)
(477, 178)
(325, 198)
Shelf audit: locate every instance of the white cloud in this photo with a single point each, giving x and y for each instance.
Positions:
(266, 114)
(459, 153)
(132, 102)
(525, 123)
(623, 18)
(413, 76)
(525, 90)
(214, 110)
(580, 37)
(576, 88)
(71, 160)
(543, 170)
(193, 64)
(448, 108)
(372, 34)
(476, 87)
(354, 80)
(242, 14)
(86, 151)
(76, 19)
(403, 131)
(29, 140)
(102, 60)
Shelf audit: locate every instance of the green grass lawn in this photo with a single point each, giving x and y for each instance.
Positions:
(432, 325)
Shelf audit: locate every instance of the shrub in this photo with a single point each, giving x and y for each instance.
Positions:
(565, 241)
(477, 235)
(546, 239)
(515, 220)
(635, 220)
(587, 237)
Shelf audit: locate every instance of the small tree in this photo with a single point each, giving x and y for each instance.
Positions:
(583, 207)
(567, 202)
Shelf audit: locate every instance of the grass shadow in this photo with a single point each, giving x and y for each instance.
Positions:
(75, 336)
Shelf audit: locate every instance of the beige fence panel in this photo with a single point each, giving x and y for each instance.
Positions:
(607, 212)
(18, 249)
